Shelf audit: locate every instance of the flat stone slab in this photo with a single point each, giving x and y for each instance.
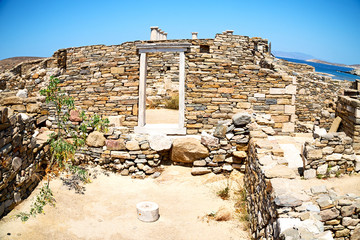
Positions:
(280, 171)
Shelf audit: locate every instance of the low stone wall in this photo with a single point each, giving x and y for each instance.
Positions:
(21, 158)
(329, 155)
(261, 207)
(220, 150)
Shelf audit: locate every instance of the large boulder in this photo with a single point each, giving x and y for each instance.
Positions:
(95, 139)
(187, 150)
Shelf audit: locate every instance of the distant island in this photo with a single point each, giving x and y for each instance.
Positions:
(309, 58)
(334, 64)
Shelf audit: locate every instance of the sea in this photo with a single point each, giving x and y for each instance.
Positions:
(326, 68)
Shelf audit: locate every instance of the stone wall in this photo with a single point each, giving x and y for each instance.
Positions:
(261, 207)
(316, 94)
(223, 76)
(349, 110)
(329, 155)
(21, 157)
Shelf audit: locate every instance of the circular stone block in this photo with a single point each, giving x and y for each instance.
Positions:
(147, 211)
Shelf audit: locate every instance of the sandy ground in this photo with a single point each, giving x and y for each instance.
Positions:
(107, 210)
(164, 116)
(342, 185)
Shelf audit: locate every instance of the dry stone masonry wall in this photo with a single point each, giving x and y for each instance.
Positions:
(223, 76)
(348, 109)
(329, 155)
(281, 206)
(22, 158)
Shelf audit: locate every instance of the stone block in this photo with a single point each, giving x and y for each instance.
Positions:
(288, 127)
(115, 121)
(310, 174)
(118, 144)
(117, 70)
(200, 171)
(277, 91)
(290, 89)
(289, 109)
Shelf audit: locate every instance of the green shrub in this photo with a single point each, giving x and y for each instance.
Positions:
(172, 103)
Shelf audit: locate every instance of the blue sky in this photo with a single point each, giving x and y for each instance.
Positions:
(328, 30)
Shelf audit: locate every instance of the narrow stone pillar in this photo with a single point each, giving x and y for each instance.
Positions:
(181, 90)
(161, 35)
(158, 34)
(194, 35)
(153, 33)
(165, 36)
(142, 90)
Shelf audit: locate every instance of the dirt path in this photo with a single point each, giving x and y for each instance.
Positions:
(162, 116)
(107, 210)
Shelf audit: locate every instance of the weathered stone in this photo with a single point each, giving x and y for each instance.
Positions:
(310, 174)
(240, 154)
(287, 201)
(313, 154)
(342, 233)
(348, 221)
(121, 155)
(132, 145)
(124, 172)
(241, 119)
(322, 169)
(209, 140)
(118, 144)
(32, 108)
(219, 158)
(95, 139)
(115, 121)
(329, 214)
(200, 170)
(160, 142)
(199, 163)
(324, 236)
(220, 131)
(319, 189)
(280, 171)
(16, 163)
(334, 157)
(75, 116)
(227, 167)
(347, 210)
(23, 93)
(356, 233)
(335, 125)
(187, 150)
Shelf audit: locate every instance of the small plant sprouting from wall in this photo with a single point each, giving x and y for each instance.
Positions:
(63, 144)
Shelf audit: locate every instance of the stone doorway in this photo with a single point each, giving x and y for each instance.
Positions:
(166, 127)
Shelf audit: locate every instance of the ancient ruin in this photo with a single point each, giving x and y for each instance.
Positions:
(237, 107)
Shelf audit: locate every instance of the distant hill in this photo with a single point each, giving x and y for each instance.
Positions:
(9, 63)
(293, 55)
